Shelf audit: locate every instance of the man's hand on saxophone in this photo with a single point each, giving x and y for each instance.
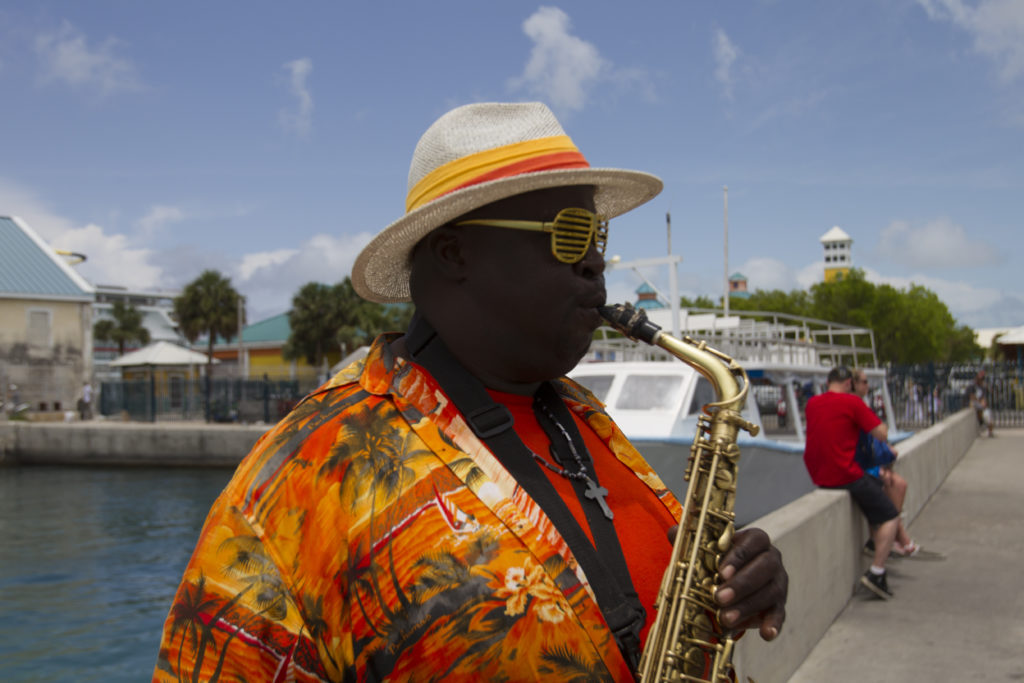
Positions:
(755, 585)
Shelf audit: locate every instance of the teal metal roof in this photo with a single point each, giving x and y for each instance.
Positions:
(273, 329)
(30, 268)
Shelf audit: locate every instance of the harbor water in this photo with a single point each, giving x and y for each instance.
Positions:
(89, 562)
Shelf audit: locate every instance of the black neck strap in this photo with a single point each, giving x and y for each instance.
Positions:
(605, 565)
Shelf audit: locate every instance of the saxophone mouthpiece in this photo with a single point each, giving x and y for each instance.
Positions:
(631, 322)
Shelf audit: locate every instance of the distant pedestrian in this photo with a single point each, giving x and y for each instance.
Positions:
(914, 411)
(878, 405)
(85, 405)
(977, 396)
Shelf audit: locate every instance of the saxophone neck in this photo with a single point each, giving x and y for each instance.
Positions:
(724, 373)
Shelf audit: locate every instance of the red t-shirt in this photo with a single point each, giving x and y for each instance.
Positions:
(641, 520)
(834, 423)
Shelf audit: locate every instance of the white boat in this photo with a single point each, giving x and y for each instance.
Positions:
(655, 398)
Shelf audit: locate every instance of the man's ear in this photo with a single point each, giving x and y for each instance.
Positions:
(446, 249)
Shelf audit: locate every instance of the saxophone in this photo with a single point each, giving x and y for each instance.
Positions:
(686, 643)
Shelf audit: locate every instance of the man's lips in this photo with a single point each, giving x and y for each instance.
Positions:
(595, 300)
(590, 306)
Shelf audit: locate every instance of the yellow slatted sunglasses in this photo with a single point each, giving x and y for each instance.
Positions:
(572, 232)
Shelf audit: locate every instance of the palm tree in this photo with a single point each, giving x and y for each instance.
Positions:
(124, 326)
(313, 320)
(326, 317)
(208, 305)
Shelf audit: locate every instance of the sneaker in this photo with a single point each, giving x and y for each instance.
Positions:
(869, 551)
(877, 584)
(906, 550)
(916, 552)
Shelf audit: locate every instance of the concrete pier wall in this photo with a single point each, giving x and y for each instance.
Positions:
(821, 536)
(127, 443)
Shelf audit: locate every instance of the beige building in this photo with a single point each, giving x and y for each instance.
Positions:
(45, 324)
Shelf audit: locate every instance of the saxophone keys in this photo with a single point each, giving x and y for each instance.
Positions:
(725, 540)
(694, 662)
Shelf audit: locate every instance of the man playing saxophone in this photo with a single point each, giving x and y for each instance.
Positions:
(452, 507)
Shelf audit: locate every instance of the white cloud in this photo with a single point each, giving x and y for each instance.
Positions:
(937, 244)
(269, 279)
(972, 305)
(969, 304)
(996, 27)
(158, 217)
(300, 119)
(563, 68)
(726, 54)
(768, 274)
(253, 262)
(67, 57)
(112, 259)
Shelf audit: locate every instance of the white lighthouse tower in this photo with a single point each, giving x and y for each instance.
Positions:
(837, 246)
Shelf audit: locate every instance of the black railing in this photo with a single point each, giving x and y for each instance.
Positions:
(230, 400)
(924, 394)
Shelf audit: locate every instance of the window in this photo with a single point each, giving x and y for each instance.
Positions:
(598, 385)
(650, 392)
(702, 395)
(38, 333)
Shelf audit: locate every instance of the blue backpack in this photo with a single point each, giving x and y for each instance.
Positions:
(872, 454)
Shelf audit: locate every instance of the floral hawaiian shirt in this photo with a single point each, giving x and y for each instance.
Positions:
(371, 536)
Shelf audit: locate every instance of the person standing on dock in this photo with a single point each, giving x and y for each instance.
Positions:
(835, 420)
(85, 407)
(977, 396)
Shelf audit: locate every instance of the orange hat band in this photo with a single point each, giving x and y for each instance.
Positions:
(543, 154)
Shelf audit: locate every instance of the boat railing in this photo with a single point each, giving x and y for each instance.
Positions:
(759, 336)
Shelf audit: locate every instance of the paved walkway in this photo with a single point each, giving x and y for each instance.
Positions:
(961, 619)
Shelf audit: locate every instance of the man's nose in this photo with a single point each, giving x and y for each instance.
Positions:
(591, 266)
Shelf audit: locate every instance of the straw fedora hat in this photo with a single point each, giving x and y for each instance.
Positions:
(475, 155)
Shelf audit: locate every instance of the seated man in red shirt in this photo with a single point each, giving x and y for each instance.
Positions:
(835, 421)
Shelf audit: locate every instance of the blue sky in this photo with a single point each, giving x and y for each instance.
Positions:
(271, 140)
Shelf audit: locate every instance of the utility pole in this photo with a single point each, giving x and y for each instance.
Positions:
(668, 227)
(243, 361)
(725, 296)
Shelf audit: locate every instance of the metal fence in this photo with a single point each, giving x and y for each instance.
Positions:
(921, 396)
(230, 400)
(924, 394)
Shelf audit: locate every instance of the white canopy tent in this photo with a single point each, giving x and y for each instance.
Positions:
(163, 354)
(1014, 336)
